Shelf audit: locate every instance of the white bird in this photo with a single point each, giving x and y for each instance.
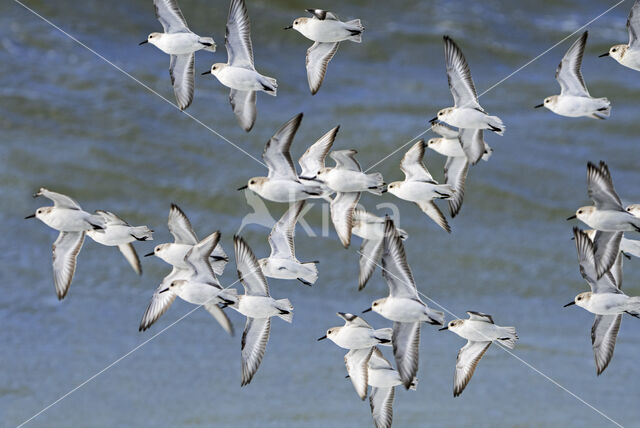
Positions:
(326, 31)
(466, 112)
(605, 300)
(420, 187)
(370, 228)
(282, 262)
(118, 232)
(282, 183)
(403, 306)
(72, 222)
(239, 73)
(356, 333)
(574, 99)
(348, 181)
(185, 238)
(196, 283)
(383, 379)
(312, 162)
(258, 306)
(480, 331)
(181, 43)
(607, 214)
(629, 54)
(458, 143)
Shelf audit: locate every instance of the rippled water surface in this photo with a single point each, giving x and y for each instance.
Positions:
(74, 123)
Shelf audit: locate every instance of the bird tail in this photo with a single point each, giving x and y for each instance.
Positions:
(286, 309)
(312, 276)
(270, 85)
(356, 29)
(437, 317)
(210, 45)
(384, 335)
(414, 384)
(510, 337)
(496, 125)
(604, 109)
(402, 233)
(445, 191)
(376, 183)
(142, 233)
(229, 295)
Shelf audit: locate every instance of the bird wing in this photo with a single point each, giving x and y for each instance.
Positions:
(249, 271)
(342, 207)
(603, 339)
(161, 300)
(313, 158)
(600, 188)
(468, 358)
(381, 402)
(180, 227)
(406, 349)
(568, 73)
(353, 320)
(370, 254)
(276, 152)
(586, 260)
(607, 249)
(65, 254)
(357, 363)
(254, 343)
(238, 36)
(59, 200)
(412, 166)
(220, 316)
(479, 316)
(455, 174)
(283, 232)
(395, 269)
(444, 130)
(243, 104)
(182, 78)
(472, 142)
(130, 254)
(633, 24)
(197, 258)
(431, 209)
(346, 159)
(459, 76)
(318, 57)
(110, 219)
(323, 14)
(170, 16)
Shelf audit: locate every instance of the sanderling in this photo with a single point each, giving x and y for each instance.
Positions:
(480, 331)
(605, 300)
(348, 180)
(628, 247)
(420, 187)
(370, 228)
(282, 183)
(574, 99)
(383, 379)
(607, 215)
(181, 43)
(312, 162)
(72, 222)
(326, 31)
(282, 262)
(629, 54)
(403, 306)
(357, 363)
(239, 73)
(118, 232)
(356, 333)
(258, 306)
(196, 283)
(466, 112)
(184, 239)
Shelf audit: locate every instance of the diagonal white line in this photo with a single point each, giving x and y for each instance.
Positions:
(556, 383)
(503, 79)
(147, 87)
(121, 358)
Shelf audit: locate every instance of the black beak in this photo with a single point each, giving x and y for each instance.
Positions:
(243, 187)
(142, 43)
(35, 195)
(366, 310)
(571, 218)
(434, 119)
(322, 338)
(30, 216)
(206, 72)
(539, 105)
(162, 291)
(288, 28)
(444, 328)
(604, 54)
(569, 304)
(150, 254)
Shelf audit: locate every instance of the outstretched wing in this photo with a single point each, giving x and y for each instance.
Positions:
(568, 73)
(600, 188)
(313, 158)
(603, 339)
(238, 36)
(586, 260)
(346, 159)
(395, 269)
(180, 227)
(357, 363)
(468, 358)
(254, 343)
(170, 16)
(412, 166)
(243, 104)
(182, 78)
(459, 76)
(59, 200)
(633, 24)
(276, 152)
(249, 271)
(65, 253)
(281, 236)
(318, 57)
(406, 350)
(342, 207)
(455, 174)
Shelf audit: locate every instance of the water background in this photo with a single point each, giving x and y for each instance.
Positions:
(75, 124)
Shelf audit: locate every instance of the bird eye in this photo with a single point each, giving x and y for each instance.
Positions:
(579, 298)
(440, 114)
(579, 211)
(295, 22)
(613, 50)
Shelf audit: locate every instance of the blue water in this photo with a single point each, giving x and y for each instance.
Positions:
(73, 123)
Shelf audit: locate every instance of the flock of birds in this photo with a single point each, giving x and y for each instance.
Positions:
(196, 264)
